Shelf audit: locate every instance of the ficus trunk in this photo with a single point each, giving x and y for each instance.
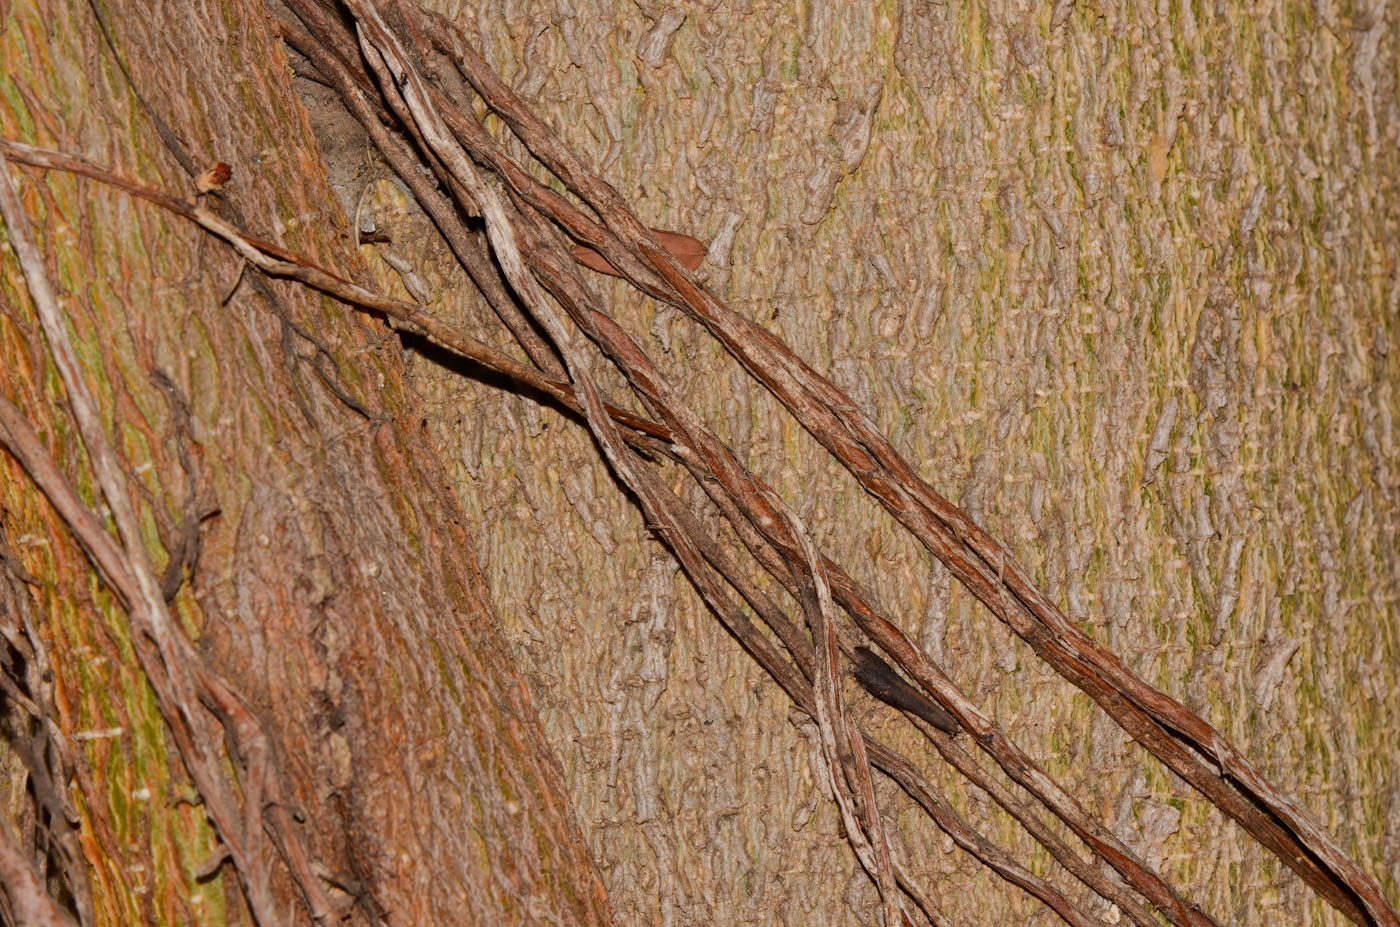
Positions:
(1120, 280)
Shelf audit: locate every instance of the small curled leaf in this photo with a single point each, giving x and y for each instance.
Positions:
(690, 252)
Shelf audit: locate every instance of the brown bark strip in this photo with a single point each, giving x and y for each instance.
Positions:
(329, 52)
(58, 160)
(280, 262)
(846, 759)
(27, 682)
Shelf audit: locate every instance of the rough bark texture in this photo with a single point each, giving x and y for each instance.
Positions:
(1120, 278)
(335, 584)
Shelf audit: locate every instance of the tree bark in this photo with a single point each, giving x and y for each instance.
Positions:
(1119, 280)
(1114, 278)
(268, 436)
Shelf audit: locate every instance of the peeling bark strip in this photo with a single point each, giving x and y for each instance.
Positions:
(24, 890)
(425, 106)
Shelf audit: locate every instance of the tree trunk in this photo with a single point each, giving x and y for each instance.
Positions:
(1120, 281)
(1117, 278)
(332, 580)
